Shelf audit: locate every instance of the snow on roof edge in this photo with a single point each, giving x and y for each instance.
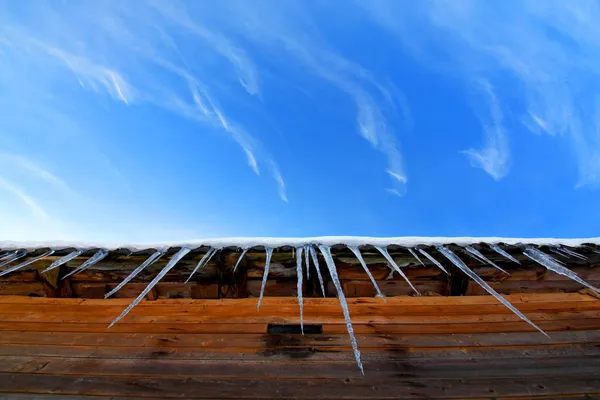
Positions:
(246, 242)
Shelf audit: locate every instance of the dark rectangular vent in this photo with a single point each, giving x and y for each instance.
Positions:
(294, 329)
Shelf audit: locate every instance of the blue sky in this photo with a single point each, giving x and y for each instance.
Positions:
(167, 120)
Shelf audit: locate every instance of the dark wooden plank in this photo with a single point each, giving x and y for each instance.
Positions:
(22, 289)
(528, 286)
(414, 302)
(358, 388)
(295, 352)
(299, 369)
(185, 316)
(391, 288)
(201, 340)
(392, 328)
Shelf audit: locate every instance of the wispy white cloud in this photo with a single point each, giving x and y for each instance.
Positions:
(494, 157)
(289, 31)
(29, 201)
(552, 48)
(135, 57)
(17, 161)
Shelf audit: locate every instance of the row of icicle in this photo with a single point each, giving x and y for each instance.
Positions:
(309, 250)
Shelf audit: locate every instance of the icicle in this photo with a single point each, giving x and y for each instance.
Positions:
(411, 251)
(172, 262)
(307, 261)
(26, 263)
(240, 259)
(269, 252)
(299, 285)
(390, 260)
(433, 260)
(100, 254)
(483, 258)
(449, 254)
(560, 253)
(8, 254)
(551, 263)
(151, 260)
(5, 254)
(572, 253)
(326, 251)
(503, 252)
(64, 260)
(313, 255)
(360, 258)
(17, 255)
(209, 254)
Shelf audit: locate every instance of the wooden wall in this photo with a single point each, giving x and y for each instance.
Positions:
(426, 347)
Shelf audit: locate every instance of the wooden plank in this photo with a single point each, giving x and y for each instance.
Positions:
(278, 287)
(498, 327)
(312, 354)
(217, 315)
(358, 388)
(22, 289)
(393, 328)
(299, 369)
(526, 286)
(392, 302)
(391, 288)
(201, 340)
(381, 272)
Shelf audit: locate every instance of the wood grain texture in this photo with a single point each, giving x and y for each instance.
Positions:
(428, 347)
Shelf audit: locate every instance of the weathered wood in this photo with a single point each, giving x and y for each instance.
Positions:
(253, 341)
(300, 369)
(528, 286)
(312, 354)
(274, 287)
(22, 289)
(401, 387)
(391, 288)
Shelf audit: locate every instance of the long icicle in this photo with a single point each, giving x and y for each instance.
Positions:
(149, 261)
(433, 260)
(572, 253)
(244, 251)
(356, 251)
(6, 254)
(412, 252)
(204, 260)
(551, 263)
(13, 257)
(26, 263)
(269, 251)
(559, 252)
(449, 254)
(172, 262)
(478, 254)
(390, 260)
(504, 253)
(313, 255)
(307, 260)
(326, 251)
(64, 260)
(100, 254)
(299, 280)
